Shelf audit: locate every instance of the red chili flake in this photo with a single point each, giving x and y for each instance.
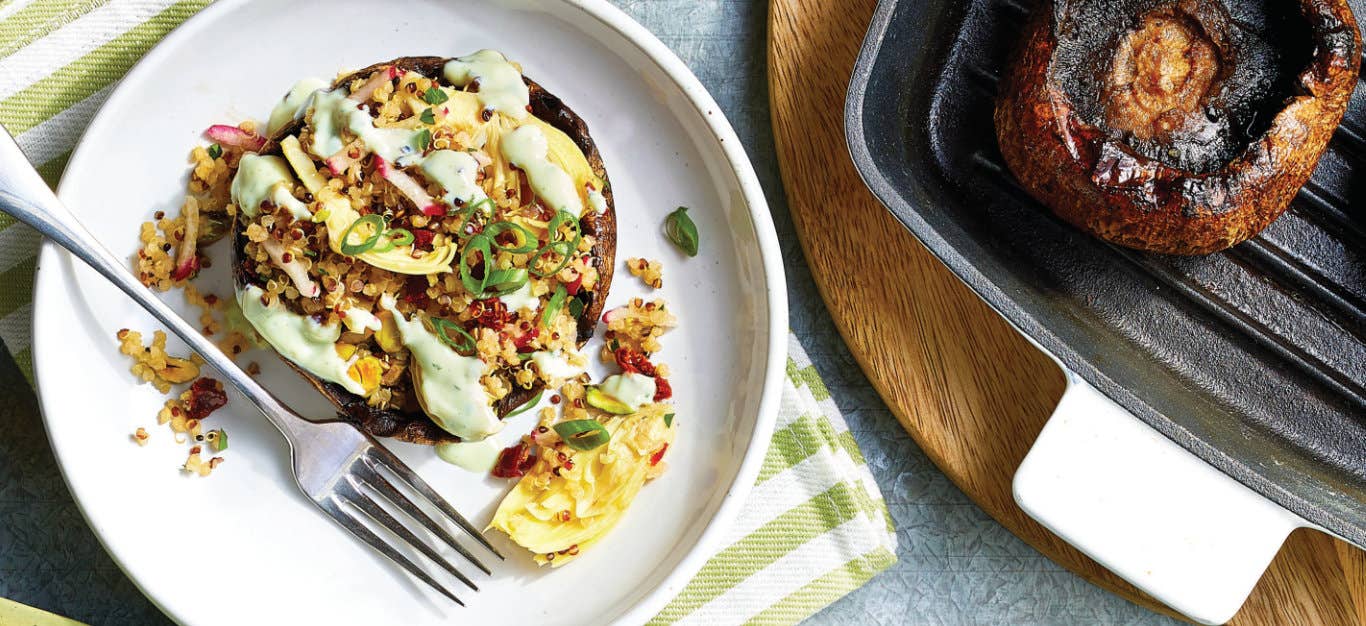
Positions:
(656, 457)
(422, 239)
(211, 299)
(206, 396)
(489, 313)
(555, 399)
(564, 515)
(514, 461)
(633, 361)
(525, 339)
(415, 291)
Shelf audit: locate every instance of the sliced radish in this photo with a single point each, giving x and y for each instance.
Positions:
(342, 160)
(187, 261)
(409, 187)
(379, 78)
(234, 137)
(292, 268)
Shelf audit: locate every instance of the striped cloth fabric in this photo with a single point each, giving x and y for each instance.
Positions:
(815, 527)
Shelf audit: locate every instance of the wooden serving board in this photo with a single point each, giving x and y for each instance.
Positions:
(969, 390)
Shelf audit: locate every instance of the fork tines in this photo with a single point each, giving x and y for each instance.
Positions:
(350, 495)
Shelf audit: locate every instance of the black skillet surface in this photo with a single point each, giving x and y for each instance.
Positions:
(1254, 359)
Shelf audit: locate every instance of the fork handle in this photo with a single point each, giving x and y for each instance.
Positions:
(24, 195)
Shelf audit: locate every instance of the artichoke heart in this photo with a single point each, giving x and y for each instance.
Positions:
(556, 515)
(399, 259)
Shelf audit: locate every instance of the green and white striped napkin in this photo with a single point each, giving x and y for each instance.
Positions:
(814, 528)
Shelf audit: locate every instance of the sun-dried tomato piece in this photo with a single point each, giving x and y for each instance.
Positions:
(422, 239)
(514, 461)
(206, 396)
(663, 391)
(633, 361)
(656, 457)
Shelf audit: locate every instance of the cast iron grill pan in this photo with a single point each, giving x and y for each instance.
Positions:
(1253, 358)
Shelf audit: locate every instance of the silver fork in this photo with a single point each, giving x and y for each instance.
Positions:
(335, 464)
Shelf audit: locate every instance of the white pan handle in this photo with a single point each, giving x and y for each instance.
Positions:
(1147, 509)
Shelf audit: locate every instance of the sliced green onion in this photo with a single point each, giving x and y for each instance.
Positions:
(375, 221)
(682, 231)
(434, 95)
(504, 282)
(560, 247)
(528, 240)
(215, 151)
(668, 419)
(530, 404)
(562, 218)
(552, 308)
(400, 236)
(482, 245)
(427, 117)
(583, 434)
(444, 327)
(467, 213)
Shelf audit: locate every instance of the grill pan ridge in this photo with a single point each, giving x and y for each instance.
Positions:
(1253, 358)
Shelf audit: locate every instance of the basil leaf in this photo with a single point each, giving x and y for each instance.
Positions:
(434, 96)
(427, 117)
(669, 420)
(215, 151)
(682, 231)
(583, 434)
(575, 308)
(424, 139)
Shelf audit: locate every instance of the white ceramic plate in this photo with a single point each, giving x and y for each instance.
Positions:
(243, 546)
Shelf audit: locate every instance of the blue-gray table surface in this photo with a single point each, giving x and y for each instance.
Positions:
(956, 565)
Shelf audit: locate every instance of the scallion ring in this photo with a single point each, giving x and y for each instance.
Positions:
(563, 248)
(563, 218)
(467, 213)
(375, 221)
(482, 245)
(504, 282)
(583, 434)
(465, 345)
(393, 238)
(552, 308)
(527, 241)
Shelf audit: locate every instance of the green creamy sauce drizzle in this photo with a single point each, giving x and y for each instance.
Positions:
(261, 178)
(299, 338)
(527, 148)
(632, 389)
(501, 87)
(450, 389)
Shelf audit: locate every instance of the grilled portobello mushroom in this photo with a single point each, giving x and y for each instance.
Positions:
(409, 421)
(1180, 127)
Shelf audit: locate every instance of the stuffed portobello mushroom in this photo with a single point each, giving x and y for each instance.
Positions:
(428, 241)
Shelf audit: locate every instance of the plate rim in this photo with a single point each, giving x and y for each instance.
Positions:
(709, 541)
